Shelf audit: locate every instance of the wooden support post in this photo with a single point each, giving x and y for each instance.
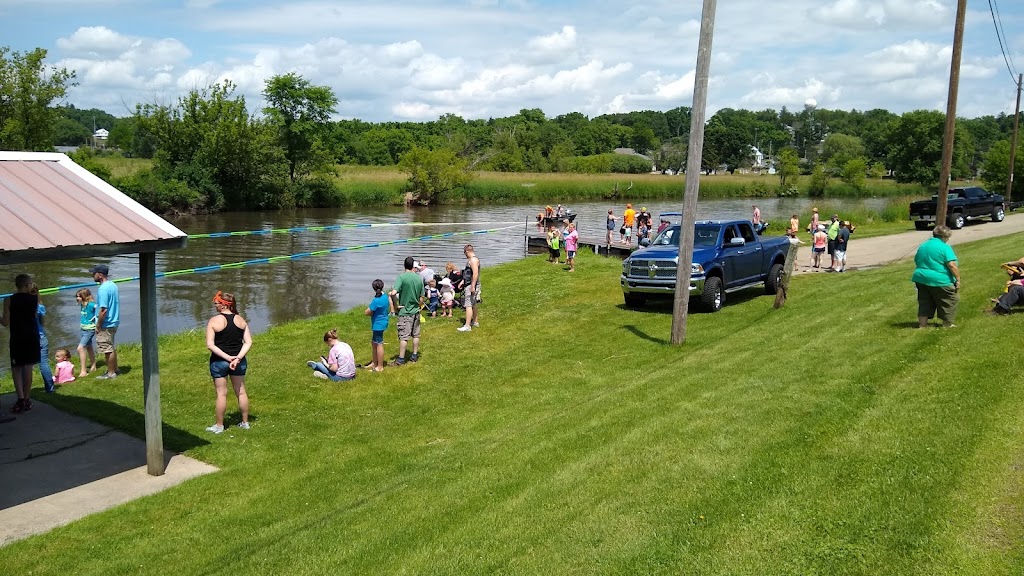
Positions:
(150, 364)
(681, 303)
(950, 131)
(782, 291)
(1013, 140)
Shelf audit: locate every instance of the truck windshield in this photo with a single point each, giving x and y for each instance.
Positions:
(705, 235)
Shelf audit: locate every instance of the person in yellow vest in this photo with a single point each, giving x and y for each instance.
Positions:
(833, 233)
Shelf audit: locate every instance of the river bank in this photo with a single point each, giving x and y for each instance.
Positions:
(567, 414)
(366, 186)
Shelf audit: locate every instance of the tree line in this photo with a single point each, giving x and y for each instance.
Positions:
(212, 151)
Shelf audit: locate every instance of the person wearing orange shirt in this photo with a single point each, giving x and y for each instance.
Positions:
(628, 219)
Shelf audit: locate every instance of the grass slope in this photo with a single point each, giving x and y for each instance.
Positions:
(565, 437)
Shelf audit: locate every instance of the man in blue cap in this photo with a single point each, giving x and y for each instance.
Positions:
(108, 316)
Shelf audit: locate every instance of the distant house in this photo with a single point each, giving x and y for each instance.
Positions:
(99, 138)
(631, 152)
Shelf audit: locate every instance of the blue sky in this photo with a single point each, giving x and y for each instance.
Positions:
(395, 60)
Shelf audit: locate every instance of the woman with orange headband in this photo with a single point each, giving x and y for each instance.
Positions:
(229, 340)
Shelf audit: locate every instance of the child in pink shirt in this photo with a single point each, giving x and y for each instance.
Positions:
(65, 371)
(572, 241)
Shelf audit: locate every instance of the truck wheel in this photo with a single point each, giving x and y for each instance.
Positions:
(774, 279)
(956, 221)
(921, 224)
(634, 300)
(713, 295)
(998, 214)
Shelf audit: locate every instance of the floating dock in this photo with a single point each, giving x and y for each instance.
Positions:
(538, 244)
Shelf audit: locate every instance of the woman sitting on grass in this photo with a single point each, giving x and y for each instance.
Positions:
(340, 363)
(229, 340)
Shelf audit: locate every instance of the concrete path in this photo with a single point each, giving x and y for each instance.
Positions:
(872, 252)
(56, 468)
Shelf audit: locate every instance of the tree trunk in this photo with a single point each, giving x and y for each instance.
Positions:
(787, 272)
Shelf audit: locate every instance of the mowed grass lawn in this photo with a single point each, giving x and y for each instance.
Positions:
(566, 437)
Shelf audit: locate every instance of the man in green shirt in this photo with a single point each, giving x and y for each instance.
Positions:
(409, 289)
(833, 233)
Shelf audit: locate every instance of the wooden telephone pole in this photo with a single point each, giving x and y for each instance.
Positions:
(954, 90)
(1013, 141)
(695, 153)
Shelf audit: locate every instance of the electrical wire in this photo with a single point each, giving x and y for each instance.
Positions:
(998, 24)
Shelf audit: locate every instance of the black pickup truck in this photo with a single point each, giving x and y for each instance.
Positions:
(963, 204)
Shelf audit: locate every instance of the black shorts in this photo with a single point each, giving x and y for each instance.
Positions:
(554, 252)
(831, 247)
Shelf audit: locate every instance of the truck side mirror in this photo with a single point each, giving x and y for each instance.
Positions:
(738, 241)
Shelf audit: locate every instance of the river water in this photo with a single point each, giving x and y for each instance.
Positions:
(270, 294)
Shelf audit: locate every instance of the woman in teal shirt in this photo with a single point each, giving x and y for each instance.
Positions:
(937, 277)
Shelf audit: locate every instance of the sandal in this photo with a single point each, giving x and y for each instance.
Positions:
(18, 407)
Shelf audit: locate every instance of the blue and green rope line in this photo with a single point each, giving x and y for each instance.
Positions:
(330, 228)
(275, 259)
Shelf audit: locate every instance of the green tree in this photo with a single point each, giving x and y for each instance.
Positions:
(433, 172)
(914, 141)
(28, 88)
(300, 111)
(787, 166)
(819, 181)
(839, 149)
(67, 132)
(996, 169)
(854, 173)
(209, 141)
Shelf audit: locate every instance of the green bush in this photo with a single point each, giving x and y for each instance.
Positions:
(160, 195)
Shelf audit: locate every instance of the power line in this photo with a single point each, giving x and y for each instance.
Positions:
(999, 18)
(997, 23)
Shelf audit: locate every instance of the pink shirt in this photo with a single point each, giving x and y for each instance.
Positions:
(572, 240)
(65, 372)
(341, 354)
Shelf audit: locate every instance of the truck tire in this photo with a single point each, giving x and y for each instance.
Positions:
(774, 280)
(634, 300)
(957, 220)
(998, 214)
(714, 294)
(921, 224)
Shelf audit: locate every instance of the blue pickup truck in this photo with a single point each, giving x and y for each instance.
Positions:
(727, 256)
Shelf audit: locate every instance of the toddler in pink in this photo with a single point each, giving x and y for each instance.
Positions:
(65, 371)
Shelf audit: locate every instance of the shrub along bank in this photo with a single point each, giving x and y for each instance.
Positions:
(565, 435)
(372, 186)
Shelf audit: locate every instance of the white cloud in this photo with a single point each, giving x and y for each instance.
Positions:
(777, 96)
(481, 58)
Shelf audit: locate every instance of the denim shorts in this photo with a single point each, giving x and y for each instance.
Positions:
(221, 369)
(87, 338)
(378, 337)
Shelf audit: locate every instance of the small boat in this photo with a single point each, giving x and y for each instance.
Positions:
(555, 220)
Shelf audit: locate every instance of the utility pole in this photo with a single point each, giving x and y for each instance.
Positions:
(954, 90)
(695, 153)
(1013, 141)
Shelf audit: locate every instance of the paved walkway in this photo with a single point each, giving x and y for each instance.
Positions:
(871, 252)
(56, 468)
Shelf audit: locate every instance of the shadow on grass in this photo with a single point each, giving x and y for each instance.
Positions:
(641, 334)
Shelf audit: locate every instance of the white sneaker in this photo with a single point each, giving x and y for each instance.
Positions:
(464, 328)
(476, 324)
(216, 429)
(243, 425)
(320, 375)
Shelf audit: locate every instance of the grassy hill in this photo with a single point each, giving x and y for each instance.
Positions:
(565, 436)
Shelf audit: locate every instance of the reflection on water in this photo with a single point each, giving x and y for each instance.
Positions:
(271, 294)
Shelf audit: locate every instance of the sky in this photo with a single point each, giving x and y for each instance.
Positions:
(395, 60)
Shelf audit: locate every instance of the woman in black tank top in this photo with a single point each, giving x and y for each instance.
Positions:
(229, 340)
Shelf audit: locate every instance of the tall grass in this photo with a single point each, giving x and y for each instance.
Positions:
(385, 185)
